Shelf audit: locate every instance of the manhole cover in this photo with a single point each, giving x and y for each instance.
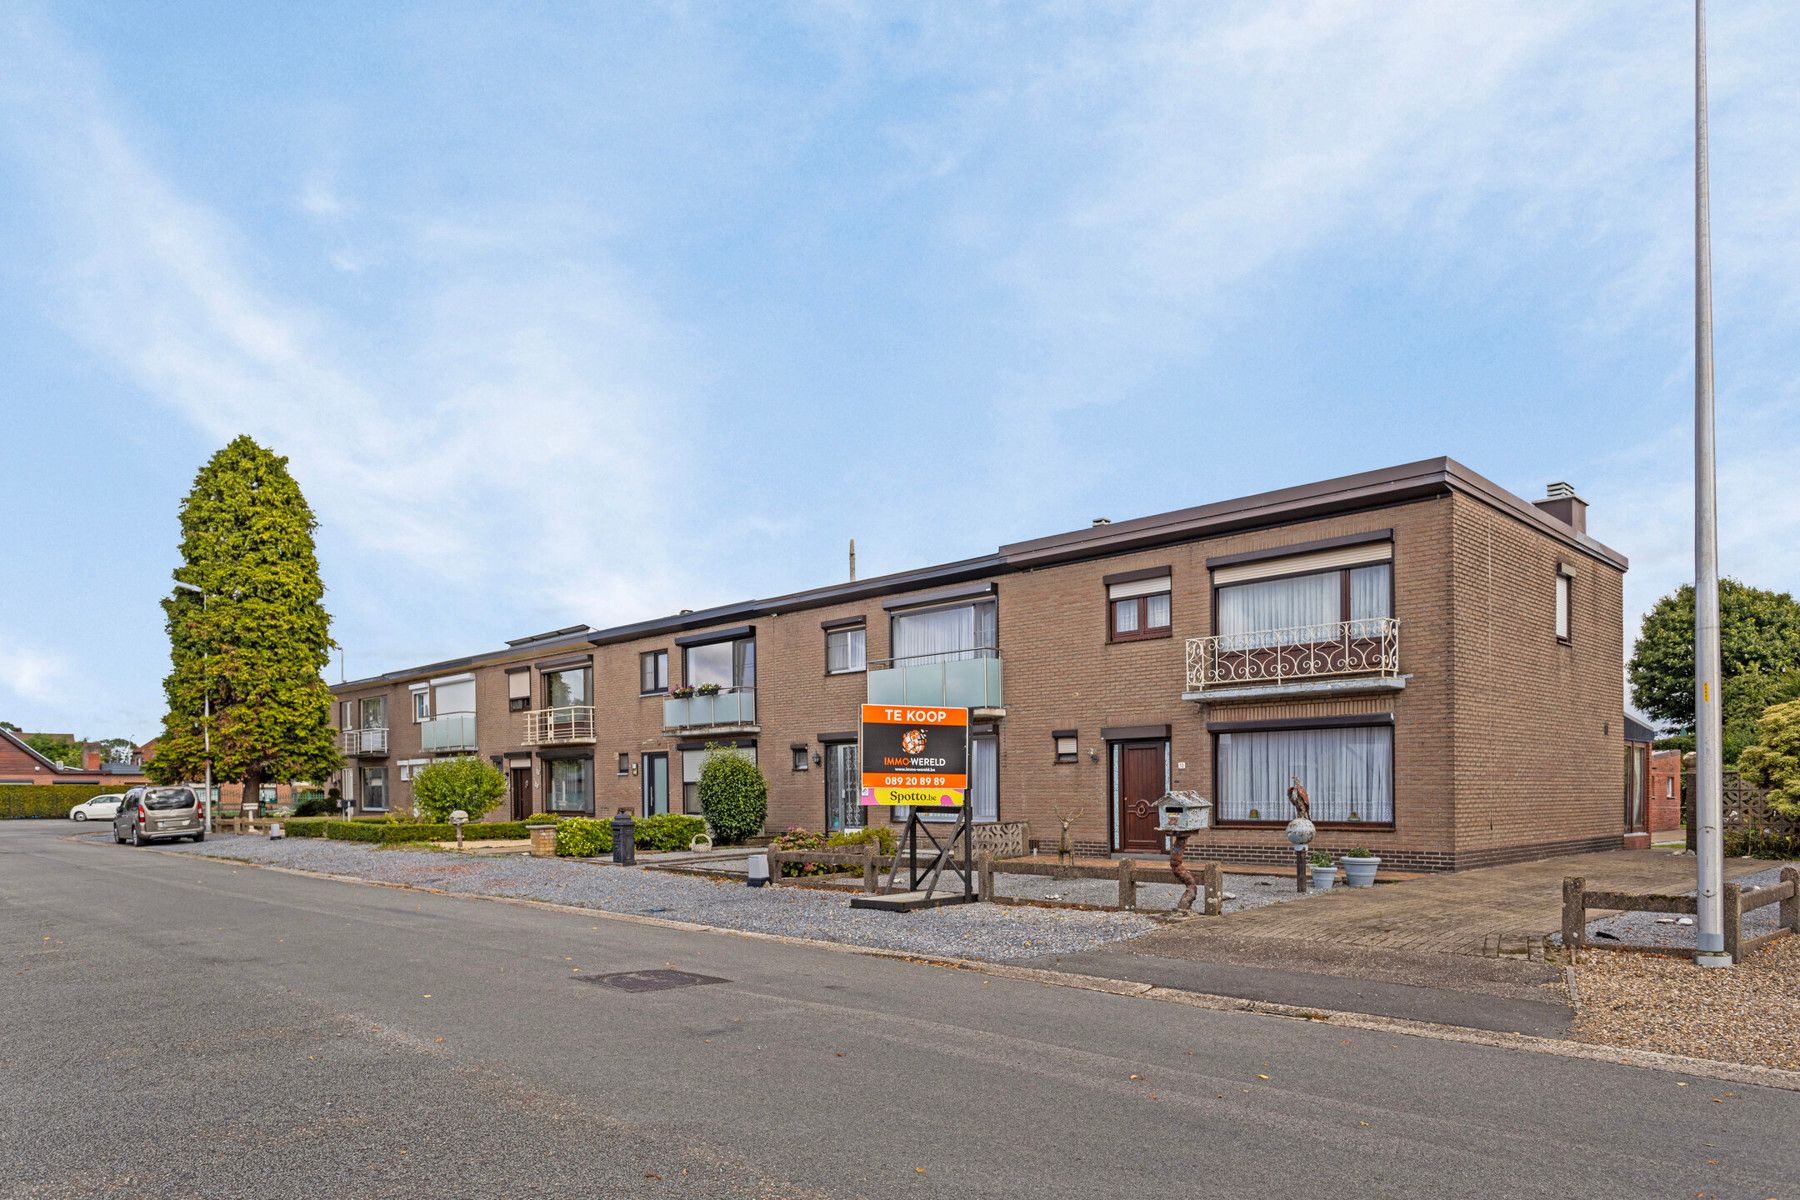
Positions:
(651, 981)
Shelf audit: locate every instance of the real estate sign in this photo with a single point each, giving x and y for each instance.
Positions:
(915, 754)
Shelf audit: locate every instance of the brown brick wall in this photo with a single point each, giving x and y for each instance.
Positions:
(1665, 790)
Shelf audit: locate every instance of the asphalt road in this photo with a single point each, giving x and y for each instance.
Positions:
(179, 1027)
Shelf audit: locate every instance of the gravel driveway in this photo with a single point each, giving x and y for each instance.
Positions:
(983, 931)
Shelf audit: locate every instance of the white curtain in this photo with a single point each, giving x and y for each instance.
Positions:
(1255, 611)
(1371, 593)
(944, 634)
(374, 712)
(845, 651)
(1348, 773)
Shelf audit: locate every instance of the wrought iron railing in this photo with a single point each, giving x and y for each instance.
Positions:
(1370, 646)
(355, 742)
(559, 726)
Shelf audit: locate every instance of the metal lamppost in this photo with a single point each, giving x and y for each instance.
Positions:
(206, 726)
(1709, 853)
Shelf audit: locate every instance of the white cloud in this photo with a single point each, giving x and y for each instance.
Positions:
(30, 674)
(319, 199)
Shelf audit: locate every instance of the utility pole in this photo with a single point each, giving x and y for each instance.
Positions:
(1709, 856)
(852, 560)
(206, 727)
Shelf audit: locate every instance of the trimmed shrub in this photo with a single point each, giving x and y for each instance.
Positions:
(315, 806)
(474, 785)
(882, 835)
(734, 796)
(543, 818)
(397, 833)
(583, 837)
(24, 801)
(667, 831)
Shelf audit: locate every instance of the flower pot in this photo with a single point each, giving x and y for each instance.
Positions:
(1360, 872)
(1323, 878)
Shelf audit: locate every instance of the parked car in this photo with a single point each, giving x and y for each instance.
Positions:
(150, 814)
(100, 808)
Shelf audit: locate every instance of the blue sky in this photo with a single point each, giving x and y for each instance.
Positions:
(569, 317)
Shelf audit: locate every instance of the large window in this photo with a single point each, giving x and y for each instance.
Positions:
(1307, 608)
(374, 789)
(1348, 772)
(570, 784)
(729, 664)
(945, 634)
(653, 672)
(1137, 609)
(374, 712)
(568, 688)
(846, 651)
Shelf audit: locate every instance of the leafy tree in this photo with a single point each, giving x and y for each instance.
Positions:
(56, 748)
(474, 785)
(1758, 631)
(734, 796)
(1772, 762)
(259, 641)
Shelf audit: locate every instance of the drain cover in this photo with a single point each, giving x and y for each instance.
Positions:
(651, 981)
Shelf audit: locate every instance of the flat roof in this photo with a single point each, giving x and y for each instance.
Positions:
(1348, 493)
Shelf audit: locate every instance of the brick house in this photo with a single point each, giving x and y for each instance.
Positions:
(19, 763)
(1439, 660)
(1665, 790)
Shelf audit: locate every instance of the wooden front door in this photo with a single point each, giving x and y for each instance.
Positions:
(521, 793)
(1140, 779)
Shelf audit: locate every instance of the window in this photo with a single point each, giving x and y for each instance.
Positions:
(374, 712)
(346, 714)
(1068, 745)
(266, 794)
(421, 699)
(569, 784)
(518, 689)
(1348, 772)
(691, 763)
(374, 789)
(729, 664)
(983, 795)
(410, 767)
(567, 688)
(653, 672)
(845, 651)
(455, 696)
(1138, 609)
(800, 758)
(1565, 586)
(624, 763)
(945, 634)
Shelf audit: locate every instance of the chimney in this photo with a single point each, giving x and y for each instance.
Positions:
(1561, 502)
(852, 560)
(90, 759)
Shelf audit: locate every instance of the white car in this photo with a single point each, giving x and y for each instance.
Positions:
(100, 808)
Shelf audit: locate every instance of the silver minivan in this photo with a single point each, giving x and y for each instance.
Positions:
(149, 814)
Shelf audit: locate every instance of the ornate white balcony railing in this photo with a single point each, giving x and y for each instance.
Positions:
(1370, 646)
(569, 725)
(355, 742)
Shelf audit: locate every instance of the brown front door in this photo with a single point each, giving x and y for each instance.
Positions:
(1141, 782)
(521, 793)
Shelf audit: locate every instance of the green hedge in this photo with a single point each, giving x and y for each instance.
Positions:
(22, 801)
(583, 837)
(395, 833)
(667, 831)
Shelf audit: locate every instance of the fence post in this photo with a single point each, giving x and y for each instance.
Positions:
(774, 868)
(984, 875)
(1127, 883)
(871, 851)
(1790, 905)
(1574, 923)
(1214, 878)
(1734, 920)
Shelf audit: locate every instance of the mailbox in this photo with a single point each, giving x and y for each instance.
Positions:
(1183, 812)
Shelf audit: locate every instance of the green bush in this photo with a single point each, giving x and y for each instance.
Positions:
(474, 785)
(798, 839)
(882, 835)
(314, 806)
(734, 796)
(1773, 761)
(667, 831)
(543, 818)
(20, 801)
(397, 833)
(1761, 843)
(583, 837)
(1319, 858)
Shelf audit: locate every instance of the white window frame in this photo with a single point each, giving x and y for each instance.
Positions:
(1565, 603)
(861, 644)
(421, 703)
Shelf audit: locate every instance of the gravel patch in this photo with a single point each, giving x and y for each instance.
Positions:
(1748, 1014)
(980, 931)
(1663, 930)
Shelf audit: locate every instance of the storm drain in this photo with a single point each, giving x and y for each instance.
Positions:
(651, 981)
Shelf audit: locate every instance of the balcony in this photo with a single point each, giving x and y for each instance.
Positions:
(572, 725)
(730, 710)
(959, 679)
(1343, 656)
(363, 743)
(450, 732)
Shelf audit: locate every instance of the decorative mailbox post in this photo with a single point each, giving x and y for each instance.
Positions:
(1300, 833)
(1183, 814)
(459, 818)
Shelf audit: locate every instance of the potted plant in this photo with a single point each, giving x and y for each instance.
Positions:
(1360, 866)
(1323, 871)
(681, 693)
(708, 689)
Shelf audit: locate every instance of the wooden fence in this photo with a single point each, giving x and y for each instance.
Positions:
(1578, 901)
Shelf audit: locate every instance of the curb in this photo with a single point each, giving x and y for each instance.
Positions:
(1754, 1076)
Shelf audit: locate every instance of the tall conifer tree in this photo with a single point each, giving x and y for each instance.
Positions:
(259, 642)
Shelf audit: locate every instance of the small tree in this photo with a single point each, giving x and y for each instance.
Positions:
(1772, 762)
(1759, 630)
(471, 784)
(734, 796)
